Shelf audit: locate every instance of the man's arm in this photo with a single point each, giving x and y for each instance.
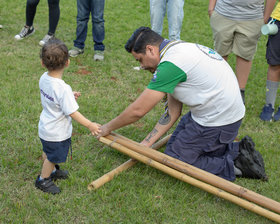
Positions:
(165, 122)
(142, 105)
(268, 9)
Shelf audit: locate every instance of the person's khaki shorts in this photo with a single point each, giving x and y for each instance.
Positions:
(237, 36)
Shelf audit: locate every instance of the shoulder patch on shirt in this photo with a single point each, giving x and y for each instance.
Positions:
(209, 52)
(155, 75)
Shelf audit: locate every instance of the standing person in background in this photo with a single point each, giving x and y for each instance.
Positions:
(273, 73)
(236, 27)
(96, 9)
(175, 15)
(28, 29)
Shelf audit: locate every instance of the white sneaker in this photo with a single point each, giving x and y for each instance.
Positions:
(1, 26)
(45, 39)
(98, 56)
(75, 52)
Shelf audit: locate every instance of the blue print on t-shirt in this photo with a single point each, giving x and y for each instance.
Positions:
(209, 52)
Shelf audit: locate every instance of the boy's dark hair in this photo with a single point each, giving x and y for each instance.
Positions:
(141, 38)
(54, 54)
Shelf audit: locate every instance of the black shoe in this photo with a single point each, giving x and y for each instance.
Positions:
(250, 161)
(25, 32)
(47, 185)
(59, 174)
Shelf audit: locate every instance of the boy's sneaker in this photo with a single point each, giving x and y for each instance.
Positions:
(25, 32)
(267, 113)
(59, 174)
(250, 161)
(75, 52)
(45, 39)
(98, 56)
(47, 185)
(277, 115)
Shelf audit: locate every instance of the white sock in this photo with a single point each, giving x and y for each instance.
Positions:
(271, 92)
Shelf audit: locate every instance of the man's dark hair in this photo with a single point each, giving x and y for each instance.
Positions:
(142, 37)
(54, 54)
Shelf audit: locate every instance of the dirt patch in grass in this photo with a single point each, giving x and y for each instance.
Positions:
(83, 71)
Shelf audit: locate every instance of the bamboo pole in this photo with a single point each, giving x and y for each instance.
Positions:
(200, 174)
(131, 162)
(157, 145)
(181, 176)
(110, 175)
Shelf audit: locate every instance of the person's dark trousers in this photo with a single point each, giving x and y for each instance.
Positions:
(208, 148)
(96, 8)
(54, 13)
(30, 11)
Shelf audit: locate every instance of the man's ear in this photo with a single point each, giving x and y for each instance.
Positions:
(150, 48)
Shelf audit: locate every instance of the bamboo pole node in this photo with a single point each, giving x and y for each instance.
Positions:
(114, 141)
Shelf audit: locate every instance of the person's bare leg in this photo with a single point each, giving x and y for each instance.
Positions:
(273, 73)
(47, 168)
(243, 68)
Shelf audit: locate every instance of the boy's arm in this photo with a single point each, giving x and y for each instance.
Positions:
(93, 127)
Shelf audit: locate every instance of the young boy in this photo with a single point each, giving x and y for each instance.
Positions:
(59, 107)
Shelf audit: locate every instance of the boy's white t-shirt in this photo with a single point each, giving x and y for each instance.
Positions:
(58, 103)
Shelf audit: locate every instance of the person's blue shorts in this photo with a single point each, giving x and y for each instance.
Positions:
(273, 47)
(56, 151)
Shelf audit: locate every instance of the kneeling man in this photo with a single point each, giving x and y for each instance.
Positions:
(200, 78)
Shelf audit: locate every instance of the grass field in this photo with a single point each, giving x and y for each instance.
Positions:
(141, 194)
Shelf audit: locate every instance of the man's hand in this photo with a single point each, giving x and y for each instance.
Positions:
(146, 143)
(104, 131)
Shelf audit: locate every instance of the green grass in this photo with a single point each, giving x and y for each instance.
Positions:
(141, 194)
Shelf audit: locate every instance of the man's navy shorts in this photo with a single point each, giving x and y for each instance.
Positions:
(56, 151)
(273, 47)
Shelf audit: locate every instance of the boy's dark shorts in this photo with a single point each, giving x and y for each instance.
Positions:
(273, 47)
(56, 151)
